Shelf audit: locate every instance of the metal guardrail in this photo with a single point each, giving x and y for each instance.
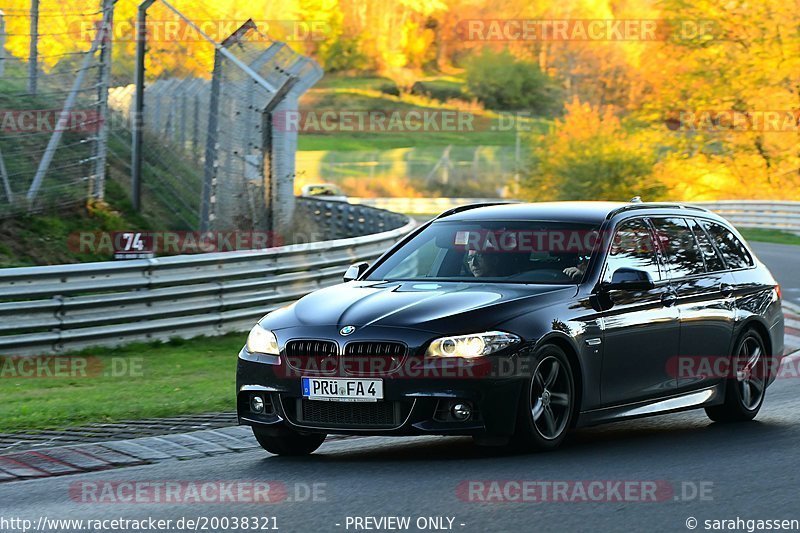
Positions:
(61, 308)
(742, 213)
(338, 220)
(764, 214)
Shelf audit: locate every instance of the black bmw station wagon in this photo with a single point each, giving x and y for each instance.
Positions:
(515, 323)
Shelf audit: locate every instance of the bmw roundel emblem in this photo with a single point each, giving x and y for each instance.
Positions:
(347, 330)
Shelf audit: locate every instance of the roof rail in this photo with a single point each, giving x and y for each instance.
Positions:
(652, 205)
(467, 207)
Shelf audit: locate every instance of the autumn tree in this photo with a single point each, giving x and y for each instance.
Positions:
(588, 155)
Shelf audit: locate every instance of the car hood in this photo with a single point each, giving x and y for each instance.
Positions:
(436, 307)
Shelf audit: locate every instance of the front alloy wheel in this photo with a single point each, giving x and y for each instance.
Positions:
(546, 405)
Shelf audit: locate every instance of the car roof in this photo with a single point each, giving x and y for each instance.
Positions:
(581, 212)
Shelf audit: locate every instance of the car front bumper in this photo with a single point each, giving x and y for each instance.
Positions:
(420, 399)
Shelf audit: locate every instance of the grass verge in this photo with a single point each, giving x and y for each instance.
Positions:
(769, 235)
(137, 381)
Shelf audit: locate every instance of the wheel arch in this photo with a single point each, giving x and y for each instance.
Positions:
(567, 345)
(753, 323)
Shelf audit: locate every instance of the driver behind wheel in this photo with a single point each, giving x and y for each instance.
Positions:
(484, 265)
(576, 272)
(495, 264)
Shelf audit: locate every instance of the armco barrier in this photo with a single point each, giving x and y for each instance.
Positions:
(53, 309)
(758, 213)
(339, 220)
(743, 213)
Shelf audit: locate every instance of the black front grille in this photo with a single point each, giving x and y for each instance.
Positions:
(312, 355)
(373, 358)
(375, 348)
(349, 414)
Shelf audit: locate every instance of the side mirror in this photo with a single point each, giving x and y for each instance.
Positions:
(630, 279)
(355, 271)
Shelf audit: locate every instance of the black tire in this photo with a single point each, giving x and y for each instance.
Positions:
(745, 389)
(546, 404)
(288, 442)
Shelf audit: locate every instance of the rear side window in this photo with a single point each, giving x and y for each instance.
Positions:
(676, 241)
(632, 247)
(732, 249)
(713, 259)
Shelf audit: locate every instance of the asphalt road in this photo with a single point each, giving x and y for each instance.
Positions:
(783, 261)
(703, 470)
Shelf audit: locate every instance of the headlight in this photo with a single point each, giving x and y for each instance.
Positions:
(469, 346)
(262, 340)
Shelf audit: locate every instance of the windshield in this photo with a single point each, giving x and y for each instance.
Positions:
(496, 251)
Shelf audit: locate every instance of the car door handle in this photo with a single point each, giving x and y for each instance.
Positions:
(726, 290)
(668, 299)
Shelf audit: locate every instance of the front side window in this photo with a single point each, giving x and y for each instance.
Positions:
(732, 249)
(676, 241)
(632, 247)
(493, 251)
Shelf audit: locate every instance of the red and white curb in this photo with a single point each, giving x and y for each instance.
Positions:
(80, 458)
(64, 460)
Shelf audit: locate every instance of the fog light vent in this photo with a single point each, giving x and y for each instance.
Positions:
(461, 411)
(257, 404)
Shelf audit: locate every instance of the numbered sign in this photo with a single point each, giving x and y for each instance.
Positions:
(133, 245)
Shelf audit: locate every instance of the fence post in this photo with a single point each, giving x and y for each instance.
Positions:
(210, 170)
(106, 48)
(196, 126)
(138, 107)
(182, 120)
(268, 148)
(33, 55)
(2, 43)
(4, 178)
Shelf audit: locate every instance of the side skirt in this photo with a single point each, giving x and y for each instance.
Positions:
(688, 400)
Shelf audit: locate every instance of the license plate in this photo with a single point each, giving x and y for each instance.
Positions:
(343, 390)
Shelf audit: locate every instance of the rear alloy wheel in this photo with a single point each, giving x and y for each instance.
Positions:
(288, 442)
(546, 404)
(744, 392)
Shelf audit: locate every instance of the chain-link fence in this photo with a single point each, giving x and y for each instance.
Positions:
(53, 103)
(222, 164)
(198, 147)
